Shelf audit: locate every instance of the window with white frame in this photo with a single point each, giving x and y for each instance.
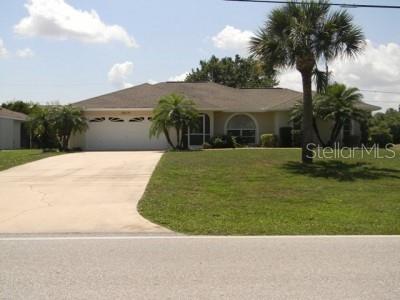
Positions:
(201, 134)
(243, 128)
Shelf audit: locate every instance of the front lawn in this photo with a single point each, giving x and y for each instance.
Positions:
(12, 158)
(249, 192)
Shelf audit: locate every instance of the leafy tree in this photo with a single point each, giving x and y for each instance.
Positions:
(301, 35)
(66, 121)
(388, 120)
(174, 111)
(238, 72)
(338, 105)
(21, 106)
(380, 134)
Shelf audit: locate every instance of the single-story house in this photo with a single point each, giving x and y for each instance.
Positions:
(121, 120)
(10, 128)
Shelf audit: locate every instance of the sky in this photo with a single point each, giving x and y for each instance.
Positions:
(69, 50)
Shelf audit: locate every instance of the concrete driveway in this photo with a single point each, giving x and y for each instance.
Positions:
(79, 192)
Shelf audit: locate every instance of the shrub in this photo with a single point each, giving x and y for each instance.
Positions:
(352, 141)
(297, 137)
(268, 140)
(285, 137)
(223, 141)
(381, 136)
(207, 146)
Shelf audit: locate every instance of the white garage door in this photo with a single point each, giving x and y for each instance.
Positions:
(122, 133)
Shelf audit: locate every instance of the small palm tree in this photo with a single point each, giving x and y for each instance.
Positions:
(339, 104)
(300, 35)
(67, 120)
(40, 126)
(174, 111)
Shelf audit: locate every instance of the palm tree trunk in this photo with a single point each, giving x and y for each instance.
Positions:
(335, 133)
(307, 154)
(182, 144)
(166, 133)
(338, 130)
(178, 140)
(317, 133)
(66, 142)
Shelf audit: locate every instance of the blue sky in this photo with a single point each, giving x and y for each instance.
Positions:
(66, 65)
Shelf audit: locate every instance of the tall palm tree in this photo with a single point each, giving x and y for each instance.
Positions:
(174, 111)
(296, 116)
(301, 35)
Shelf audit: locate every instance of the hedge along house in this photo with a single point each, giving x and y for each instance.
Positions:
(121, 120)
(10, 128)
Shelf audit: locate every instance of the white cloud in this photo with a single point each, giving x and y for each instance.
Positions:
(180, 77)
(119, 73)
(57, 19)
(25, 53)
(231, 38)
(378, 68)
(3, 50)
(151, 81)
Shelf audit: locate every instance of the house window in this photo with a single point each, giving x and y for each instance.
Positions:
(200, 135)
(243, 128)
(347, 128)
(136, 120)
(115, 119)
(97, 120)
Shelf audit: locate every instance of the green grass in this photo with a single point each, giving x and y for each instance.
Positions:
(249, 192)
(12, 158)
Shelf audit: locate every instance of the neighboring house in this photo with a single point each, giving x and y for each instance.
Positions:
(10, 128)
(121, 120)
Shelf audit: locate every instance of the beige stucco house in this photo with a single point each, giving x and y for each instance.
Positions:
(10, 129)
(121, 120)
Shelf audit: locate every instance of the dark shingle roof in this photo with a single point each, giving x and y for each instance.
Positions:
(9, 114)
(206, 95)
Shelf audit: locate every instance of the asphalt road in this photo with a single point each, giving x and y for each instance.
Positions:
(200, 268)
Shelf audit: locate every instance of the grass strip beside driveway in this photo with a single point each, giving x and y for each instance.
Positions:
(12, 158)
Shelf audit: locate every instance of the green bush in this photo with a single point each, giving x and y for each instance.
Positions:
(285, 137)
(268, 140)
(381, 136)
(207, 146)
(352, 141)
(390, 119)
(297, 137)
(223, 141)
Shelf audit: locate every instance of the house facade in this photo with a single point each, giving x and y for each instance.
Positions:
(121, 120)
(10, 129)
